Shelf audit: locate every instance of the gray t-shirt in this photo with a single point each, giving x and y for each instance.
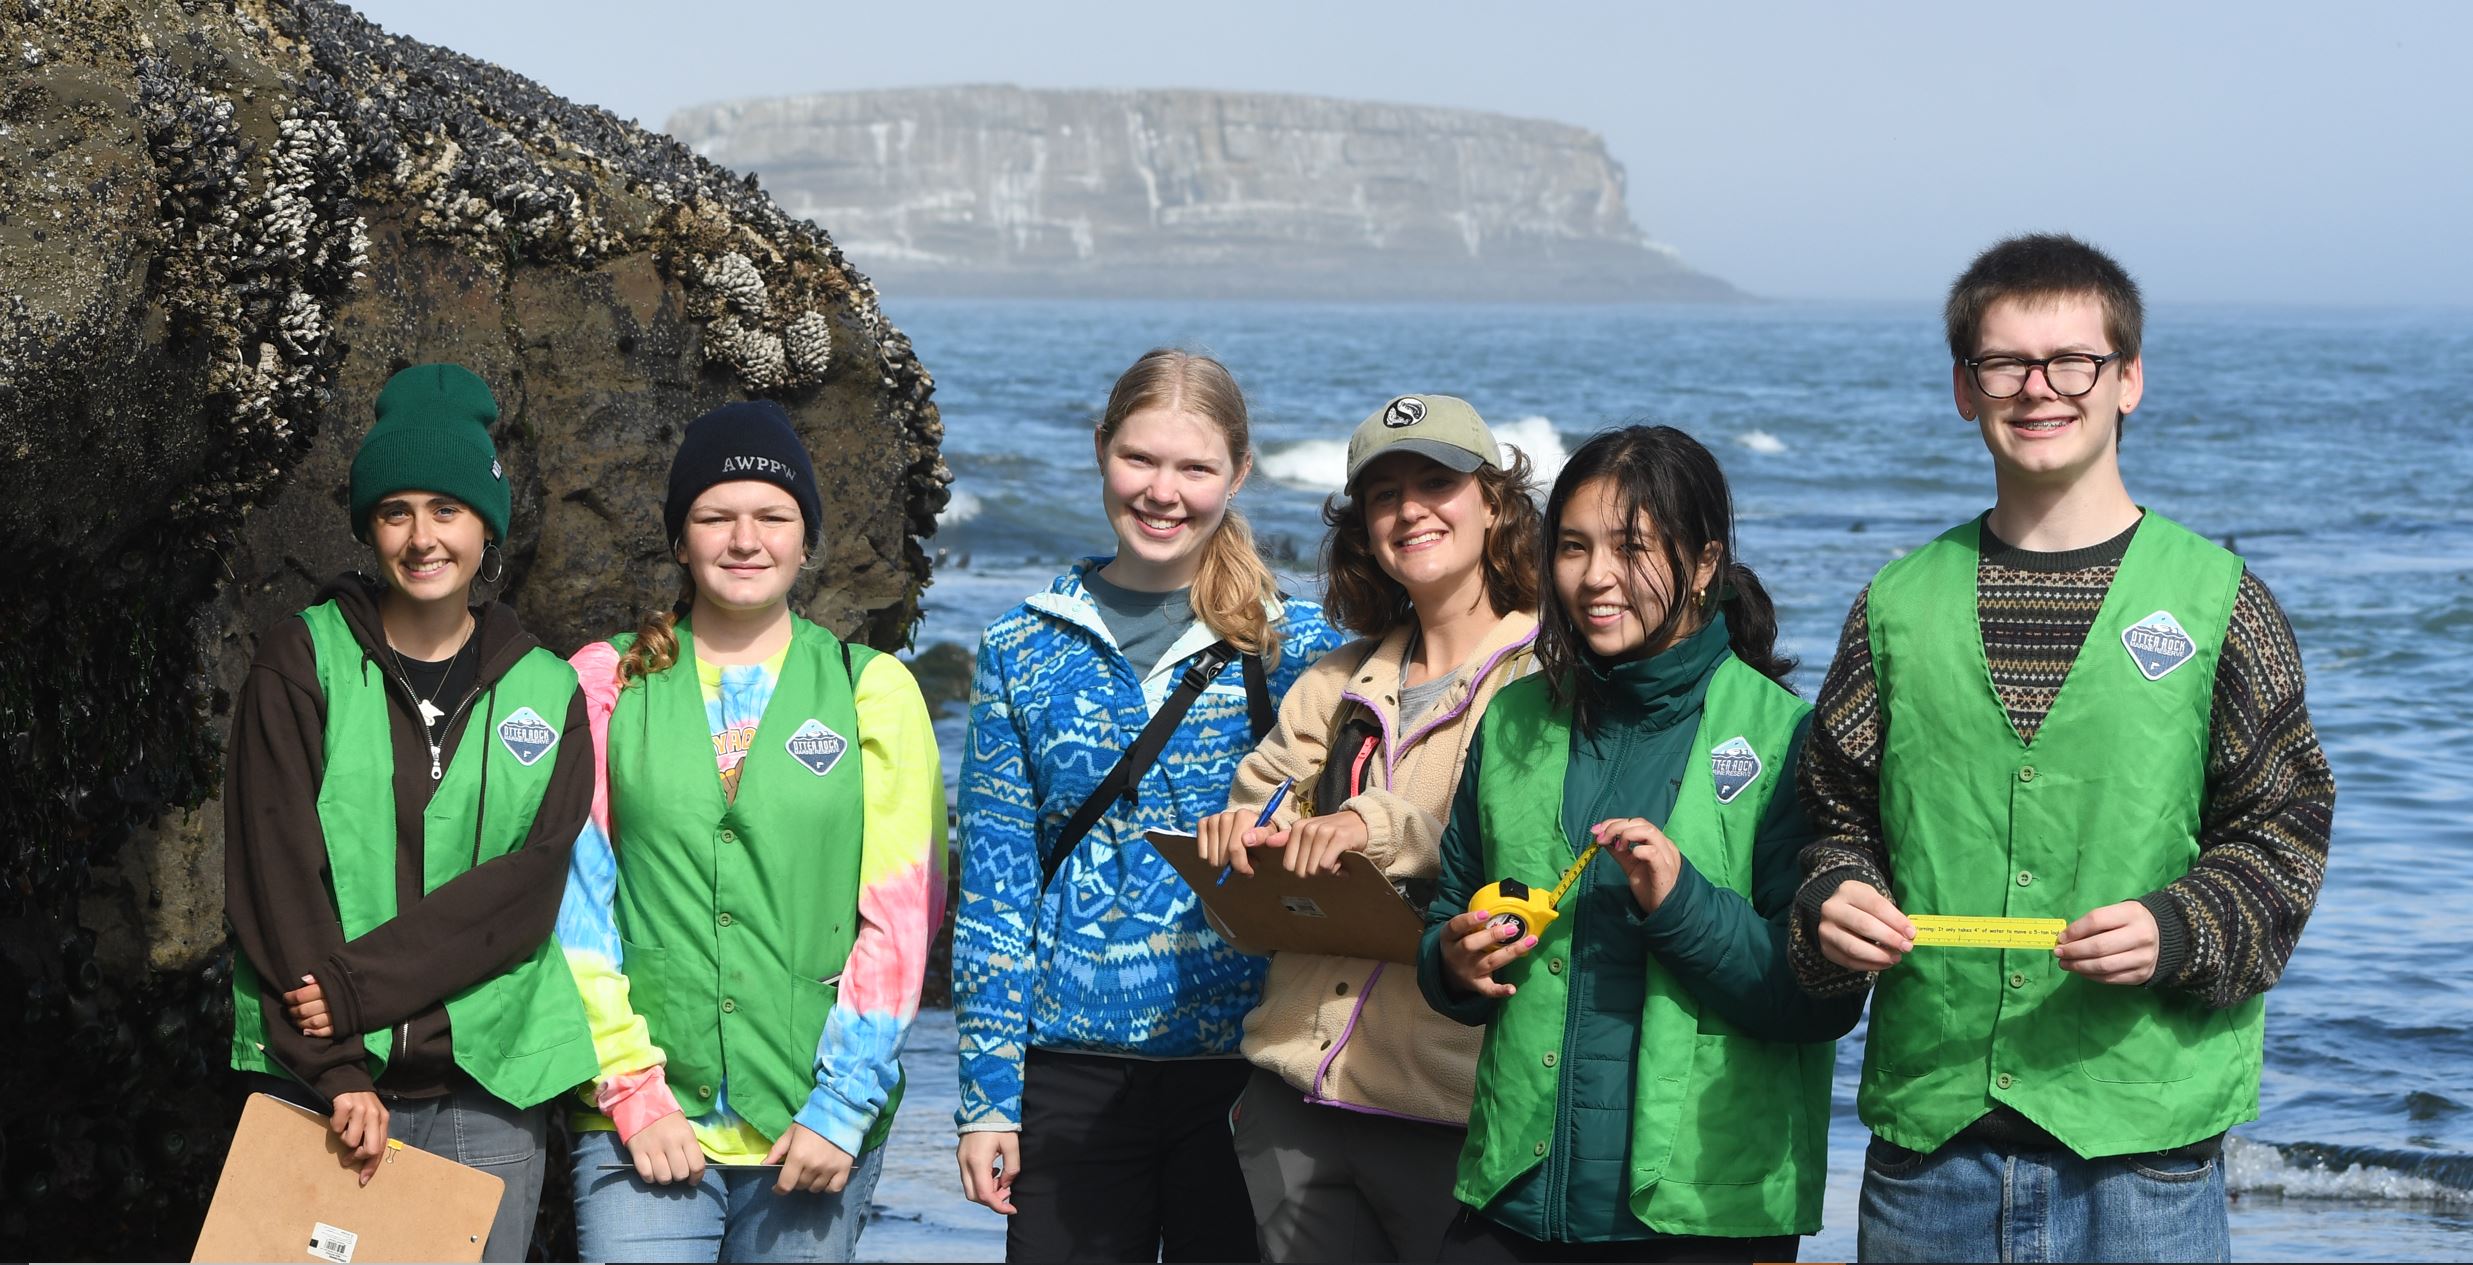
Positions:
(1145, 625)
(1417, 700)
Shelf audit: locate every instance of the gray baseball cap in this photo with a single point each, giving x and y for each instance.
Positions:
(1443, 427)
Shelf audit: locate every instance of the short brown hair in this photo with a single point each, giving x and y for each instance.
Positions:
(1361, 597)
(2044, 266)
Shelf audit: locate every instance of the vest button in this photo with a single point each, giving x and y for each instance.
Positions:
(1550, 1058)
(2017, 979)
(1541, 1148)
(725, 920)
(2004, 1080)
(1554, 966)
(728, 835)
(729, 1006)
(2025, 878)
(2026, 773)
(704, 1091)
(1342, 990)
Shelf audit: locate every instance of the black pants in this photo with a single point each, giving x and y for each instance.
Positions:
(1473, 1238)
(1129, 1160)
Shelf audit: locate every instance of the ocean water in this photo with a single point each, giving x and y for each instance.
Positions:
(2327, 446)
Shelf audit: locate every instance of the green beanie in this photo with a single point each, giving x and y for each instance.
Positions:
(432, 436)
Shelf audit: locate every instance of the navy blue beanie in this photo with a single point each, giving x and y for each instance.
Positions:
(750, 440)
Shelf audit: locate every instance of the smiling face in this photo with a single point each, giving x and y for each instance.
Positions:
(743, 545)
(428, 545)
(1166, 478)
(1613, 579)
(2040, 436)
(1425, 523)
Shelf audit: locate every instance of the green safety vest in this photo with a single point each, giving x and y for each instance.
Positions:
(1729, 1133)
(521, 1034)
(735, 916)
(2102, 807)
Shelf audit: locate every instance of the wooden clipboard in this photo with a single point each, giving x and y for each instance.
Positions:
(1355, 913)
(286, 1194)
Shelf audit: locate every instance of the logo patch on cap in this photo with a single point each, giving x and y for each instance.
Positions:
(1407, 410)
(497, 471)
(526, 736)
(2157, 644)
(817, 747)
(1733, 765)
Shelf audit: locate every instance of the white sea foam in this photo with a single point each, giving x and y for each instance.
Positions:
(1536, 436)
(964, 507)
(2258, 1168)
(1762, 442)
(1319, 464)
(1322, 464)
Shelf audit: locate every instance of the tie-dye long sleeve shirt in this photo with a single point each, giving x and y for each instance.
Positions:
(901, 902)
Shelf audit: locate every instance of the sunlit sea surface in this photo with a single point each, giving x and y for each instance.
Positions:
(2329, 447)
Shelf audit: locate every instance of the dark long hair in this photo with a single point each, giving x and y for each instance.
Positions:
(1665, 475)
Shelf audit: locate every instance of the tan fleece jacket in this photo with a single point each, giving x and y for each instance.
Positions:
(1354, 1032)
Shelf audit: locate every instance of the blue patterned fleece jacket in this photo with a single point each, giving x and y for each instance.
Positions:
(1115, 957)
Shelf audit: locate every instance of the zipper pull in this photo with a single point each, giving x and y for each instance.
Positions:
(435, 772)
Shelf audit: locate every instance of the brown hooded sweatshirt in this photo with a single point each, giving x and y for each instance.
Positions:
(278, 893)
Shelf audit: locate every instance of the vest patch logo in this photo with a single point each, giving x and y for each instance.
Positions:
(1733, 765)
(2157, 645)
(817, 747)
(526, 736)
(1405, 411)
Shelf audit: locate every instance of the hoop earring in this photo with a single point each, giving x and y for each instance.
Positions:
(490, 554)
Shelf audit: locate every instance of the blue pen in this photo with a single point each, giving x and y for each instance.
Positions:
(1263, 820)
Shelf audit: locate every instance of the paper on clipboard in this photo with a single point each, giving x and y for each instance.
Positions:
(1354, 913)
(286, 1194)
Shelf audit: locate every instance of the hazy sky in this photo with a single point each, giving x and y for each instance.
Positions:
(2263, 151)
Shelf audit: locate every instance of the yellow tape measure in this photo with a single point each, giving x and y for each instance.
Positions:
(1949, 931)
(1510, 901)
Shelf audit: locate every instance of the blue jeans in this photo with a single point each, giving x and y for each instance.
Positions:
(731, 1215)
(1970, 1201)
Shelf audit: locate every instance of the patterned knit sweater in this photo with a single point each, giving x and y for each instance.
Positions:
(1113, 956)
(2227, 927)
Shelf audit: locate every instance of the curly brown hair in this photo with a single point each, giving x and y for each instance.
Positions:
(1360, 596)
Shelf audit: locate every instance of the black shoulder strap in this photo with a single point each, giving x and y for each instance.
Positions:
(1139, 757)
(1258, 708)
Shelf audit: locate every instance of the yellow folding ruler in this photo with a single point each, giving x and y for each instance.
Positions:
(1987, 933)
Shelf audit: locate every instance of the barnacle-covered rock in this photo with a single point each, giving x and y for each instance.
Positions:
(809, 340)
(754, 352)
(223, 225)
(734, 277)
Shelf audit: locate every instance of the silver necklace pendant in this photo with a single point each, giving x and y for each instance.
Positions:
(430, 712)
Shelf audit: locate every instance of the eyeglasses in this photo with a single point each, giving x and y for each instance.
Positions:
(2000, 377)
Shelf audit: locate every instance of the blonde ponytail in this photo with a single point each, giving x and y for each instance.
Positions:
(1233, 587)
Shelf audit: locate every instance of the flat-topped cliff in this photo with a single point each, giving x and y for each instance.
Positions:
(1003, 190)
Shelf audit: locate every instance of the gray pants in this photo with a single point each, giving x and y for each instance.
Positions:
(471, 1127)
(1330, 1184)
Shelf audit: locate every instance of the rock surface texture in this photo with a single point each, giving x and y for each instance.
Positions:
(1002, 190)
(223, 224)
